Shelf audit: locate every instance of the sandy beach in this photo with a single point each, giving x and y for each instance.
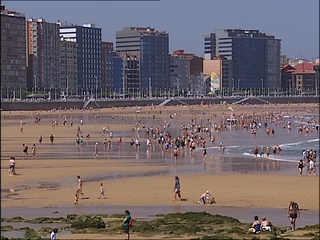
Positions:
(137, 179)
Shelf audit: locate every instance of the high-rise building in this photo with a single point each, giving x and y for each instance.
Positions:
(68, 68)
(117, 73)
(43, 54)
(151, 47)
(186, 71)
(179, 71)
(13, 52)
(254, 56)
(107, 66)
(209, 46)
(89, 64)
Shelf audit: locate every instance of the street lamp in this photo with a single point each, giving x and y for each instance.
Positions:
(96, 77)
(14, 93)
(316, 87)
(1, 93)
(238, 84)
(150, 90)
(67, 88)
(232, 84)
(35, 83)
(178, 85)
(289, 86)
(7, 92)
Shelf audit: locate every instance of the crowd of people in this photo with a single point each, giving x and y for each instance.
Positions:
(196, 134)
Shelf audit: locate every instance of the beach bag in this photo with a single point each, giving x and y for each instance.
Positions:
(131, 223)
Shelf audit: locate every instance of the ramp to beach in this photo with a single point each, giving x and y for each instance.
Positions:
(90, 100)
(250, 99)
(164, 102)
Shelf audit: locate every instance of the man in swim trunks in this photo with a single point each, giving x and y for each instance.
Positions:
(293, 213)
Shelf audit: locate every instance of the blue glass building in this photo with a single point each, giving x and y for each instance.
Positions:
(89, 64)
(151, 47)
(255, 56)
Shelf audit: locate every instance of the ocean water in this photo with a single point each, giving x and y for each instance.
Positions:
(242, 143)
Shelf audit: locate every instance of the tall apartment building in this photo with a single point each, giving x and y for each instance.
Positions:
(209, 46)
(180, 70)
(186, 71)
(43, 54)
(68, 68)
(255, 56)
(88, 47)
(13, 50)
(151, 47)
(107, 66)
(117, 73)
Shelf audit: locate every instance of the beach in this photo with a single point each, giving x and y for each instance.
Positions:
(138, 178)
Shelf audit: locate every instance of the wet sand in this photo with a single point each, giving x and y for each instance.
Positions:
(142, 180)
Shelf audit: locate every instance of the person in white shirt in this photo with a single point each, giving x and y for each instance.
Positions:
(312, 168)
(53, 235)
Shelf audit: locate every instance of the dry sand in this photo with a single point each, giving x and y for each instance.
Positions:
(238, 190)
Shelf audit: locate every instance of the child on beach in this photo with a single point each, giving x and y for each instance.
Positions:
(102, 191)
(76, 198)
(34, 150)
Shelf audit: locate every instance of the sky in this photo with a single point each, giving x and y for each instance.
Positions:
(295, 22)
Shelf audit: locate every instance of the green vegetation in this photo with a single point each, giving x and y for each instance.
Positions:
(196, 225)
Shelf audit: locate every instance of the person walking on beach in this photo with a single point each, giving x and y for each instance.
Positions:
(175, 154)
(126, 223)
(204, 152)
(101, 192)
(25, 150)
(51, 138)
(256, 151)
(312, 167)
(300, 166)
(95, 153)
(34, 150)
(76, 198)
(12, 165)
(268, 152)
(293, 213)
(262, 151)
(40, 139)
(79, 186)
(176, 189)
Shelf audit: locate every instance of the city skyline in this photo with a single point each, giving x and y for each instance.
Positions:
(295, 22)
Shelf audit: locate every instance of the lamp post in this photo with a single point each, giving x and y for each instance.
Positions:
(316, 81)
(14, 93)
(289, 86)
(35, 83)
(1, 94)
(178, 85)
(67, 87)
(262, 85)
(7, 92)
(238, 84)
(232, 85)
(96, 77)
(150, 89)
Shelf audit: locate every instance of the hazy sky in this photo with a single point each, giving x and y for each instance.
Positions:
(296, 22)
